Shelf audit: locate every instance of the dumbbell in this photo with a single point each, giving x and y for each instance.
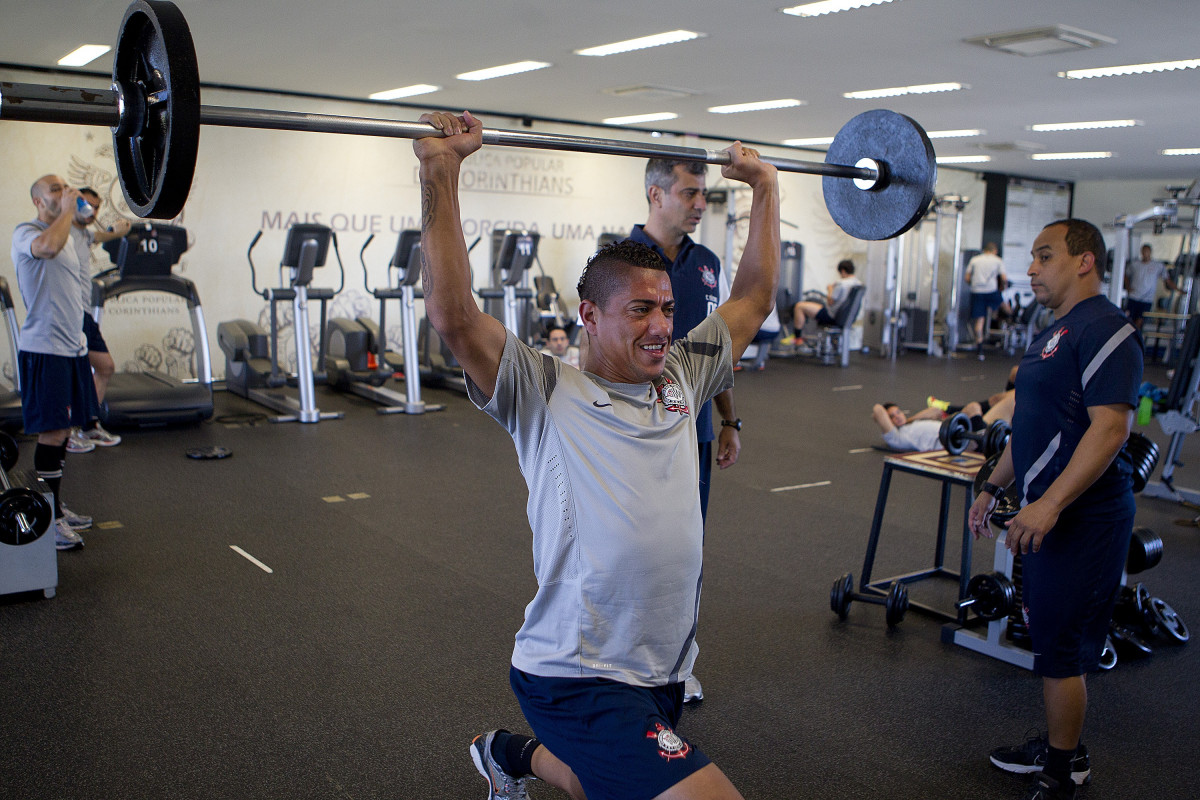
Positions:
(955, 434)
(24, 514)
(1145, 550)
(991, 596)
(895, 603)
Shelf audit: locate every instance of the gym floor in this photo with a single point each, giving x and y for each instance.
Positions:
(169, 665)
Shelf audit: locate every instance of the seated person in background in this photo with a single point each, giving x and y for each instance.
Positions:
(824, 314)
(558, 344)
(920, 432)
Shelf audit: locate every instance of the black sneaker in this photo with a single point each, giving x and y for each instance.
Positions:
(1031, 757)
(1046, 788)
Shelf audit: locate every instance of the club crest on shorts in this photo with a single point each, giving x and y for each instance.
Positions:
(1052, 345)
(669, 743)
(670, 394)
(709, 276)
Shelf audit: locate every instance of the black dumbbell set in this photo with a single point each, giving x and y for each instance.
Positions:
(895, 602)
(956, 435)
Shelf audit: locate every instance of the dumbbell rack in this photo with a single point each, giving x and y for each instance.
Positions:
(994, 642)
(34, 566)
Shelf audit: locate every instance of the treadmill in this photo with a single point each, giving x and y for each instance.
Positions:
(143, 261)
(10, 399)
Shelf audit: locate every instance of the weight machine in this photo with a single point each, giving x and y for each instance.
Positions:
(251, 369)
(11, 416)
(28, 559)
(509, 298)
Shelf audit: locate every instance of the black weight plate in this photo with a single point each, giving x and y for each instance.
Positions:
(900, 145)
(23, 505)
(996, 437)
(156, 142)
(1143, 453)
(8, 452)
(897, 604)
(1167, 622)
(953, 433)
(1145, 550)
(839, 595)
(1128, 642)
(995, 595)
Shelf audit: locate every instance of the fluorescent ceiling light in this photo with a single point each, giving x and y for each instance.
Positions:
(657, 40)
(829, 7)
(963, 159)
(502, 71)
(636, 118)
(404, 91)
(820, 140)
(1085, 126)
(84, 54)
(762, 105)
(1181, 151)
(896, 91)
(955, 134)
(1070, 156)
(1130, 69)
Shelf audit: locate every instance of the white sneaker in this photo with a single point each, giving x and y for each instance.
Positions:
(76, 522)
(78, 443)
(692, 690)
(100, 437)
(65, 538)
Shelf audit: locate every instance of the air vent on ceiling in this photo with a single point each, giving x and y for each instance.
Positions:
(1042, 41)
(645, 92)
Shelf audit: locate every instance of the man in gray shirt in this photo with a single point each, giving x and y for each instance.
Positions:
(57, 392)
(610, 457)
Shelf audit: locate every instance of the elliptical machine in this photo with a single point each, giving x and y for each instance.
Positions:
(351, 342)
(252, 360)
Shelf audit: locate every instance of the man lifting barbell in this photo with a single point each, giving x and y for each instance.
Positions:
(610, 458)
(1076, 388)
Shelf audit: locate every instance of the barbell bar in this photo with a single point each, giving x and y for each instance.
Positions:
(154, 111)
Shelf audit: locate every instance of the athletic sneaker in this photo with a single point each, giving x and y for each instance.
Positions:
(78, 443)
(933, 402)
(100, 437)
(1031, 757)
(76, 522)
(1046, 788)
(65, 538)
(692, 690)
(501, 785)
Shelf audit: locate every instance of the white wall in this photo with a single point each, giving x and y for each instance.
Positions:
(1101, 202)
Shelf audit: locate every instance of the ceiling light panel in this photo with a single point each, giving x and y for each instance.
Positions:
(963, 159)
(1085, 126)
(657, 40)
(1071, 156)
(637, 118)
(960, 134)
(762, 105)
(817, 142)
(1181, 151)
(830, 7)
(1130, 69)
(404, 91)
(502, 71)
(897, 91)
(84, 54)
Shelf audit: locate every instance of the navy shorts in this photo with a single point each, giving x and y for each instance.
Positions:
(824, 317)
(57, 392)
(95, 342)
(983, 302)
(619, 739)
(1070, 588)
(1137, 308)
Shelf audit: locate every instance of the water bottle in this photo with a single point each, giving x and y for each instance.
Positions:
(85, 208)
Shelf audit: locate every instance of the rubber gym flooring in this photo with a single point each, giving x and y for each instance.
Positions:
(360, 667)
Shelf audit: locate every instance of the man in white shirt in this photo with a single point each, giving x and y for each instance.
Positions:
(985, 274)
(1141, 281)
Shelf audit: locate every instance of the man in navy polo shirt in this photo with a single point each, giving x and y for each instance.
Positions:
(1076, 391)
(675, 195)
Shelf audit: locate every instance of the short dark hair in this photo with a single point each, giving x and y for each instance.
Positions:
(552, 327)
(846, 266)
(886, 406)
(1084, 237)
(607, 269)
(660, 172)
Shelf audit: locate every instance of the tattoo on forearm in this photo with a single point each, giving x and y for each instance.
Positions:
(427, 207)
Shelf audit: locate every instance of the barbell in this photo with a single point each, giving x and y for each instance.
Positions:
(878, 175)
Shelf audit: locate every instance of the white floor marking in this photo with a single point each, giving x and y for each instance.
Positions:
(862, 450)
(250, 558)
(847, 388)
(801, 486)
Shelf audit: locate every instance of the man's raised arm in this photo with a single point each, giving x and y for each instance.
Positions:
(752, 295)
(475, 338)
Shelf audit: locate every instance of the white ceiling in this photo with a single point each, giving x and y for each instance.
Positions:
(750, 52)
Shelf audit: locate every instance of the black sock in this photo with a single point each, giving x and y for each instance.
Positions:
(514, 753)
(48, 462)
(1058, 764)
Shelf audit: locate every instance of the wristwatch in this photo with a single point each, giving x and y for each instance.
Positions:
(736, 424)
(992, 489)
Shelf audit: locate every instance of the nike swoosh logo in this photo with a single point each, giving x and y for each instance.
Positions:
(601, 405)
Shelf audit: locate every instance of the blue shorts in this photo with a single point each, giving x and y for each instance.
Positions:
(1137, 308)
(824, 317)
(95, 342)
(1070, 588)
(983, 302)
(618, 739)
(57, 392)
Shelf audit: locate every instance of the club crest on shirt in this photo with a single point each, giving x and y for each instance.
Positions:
(1052, 345)
(669, 743)
(670, 394)
(709, 276)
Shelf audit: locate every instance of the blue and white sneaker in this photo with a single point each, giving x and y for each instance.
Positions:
(501, 785)
(65, 538)
(74, 521)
